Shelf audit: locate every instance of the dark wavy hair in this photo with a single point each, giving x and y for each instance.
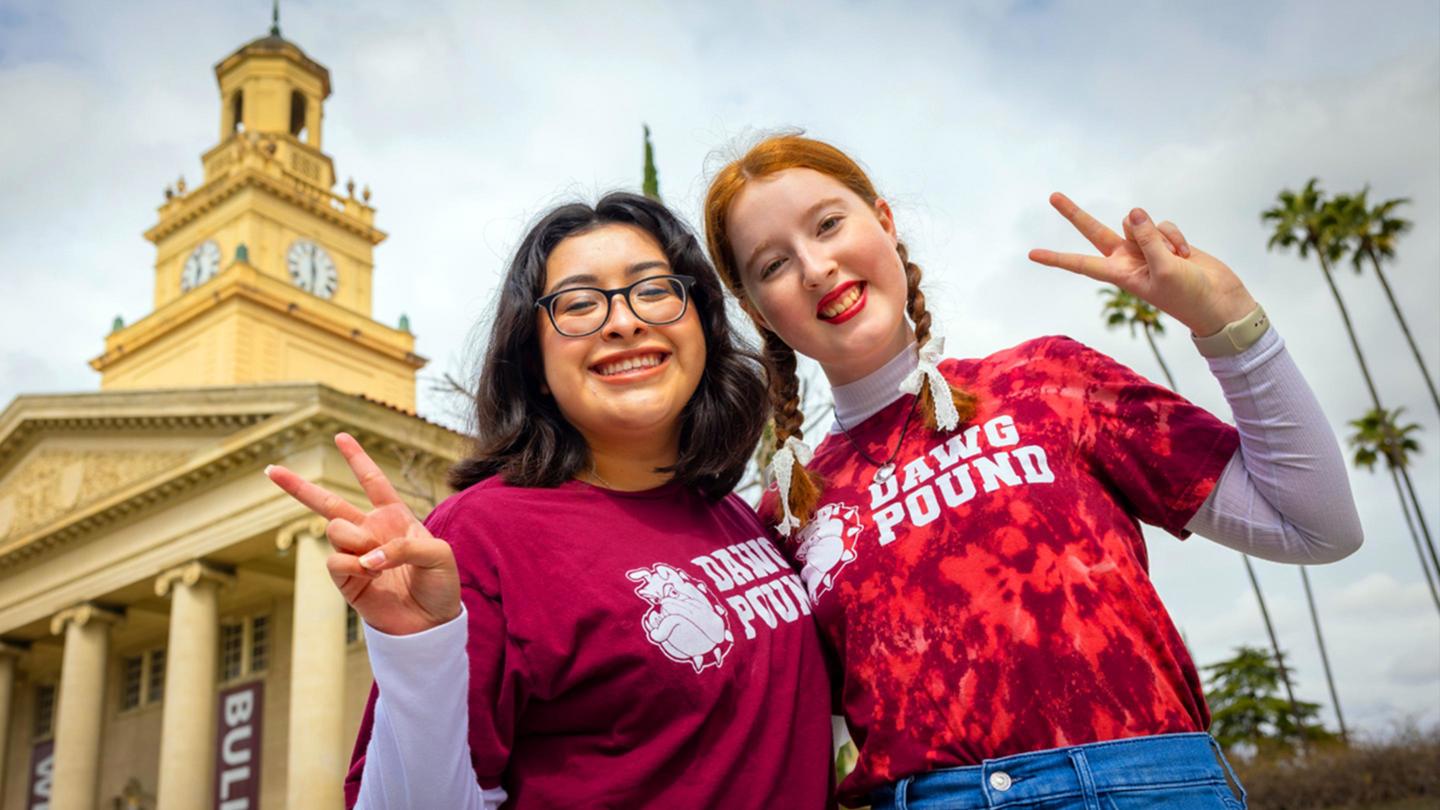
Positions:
(519, 432)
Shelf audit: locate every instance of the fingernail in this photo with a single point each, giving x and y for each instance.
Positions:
(1137, 217)
(373, 559)
(268, 468)
(1185, 251)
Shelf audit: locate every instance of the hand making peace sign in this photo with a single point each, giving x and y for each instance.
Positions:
(1156, 264)
(396, 575)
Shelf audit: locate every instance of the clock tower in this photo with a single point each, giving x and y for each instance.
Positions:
(263, 272)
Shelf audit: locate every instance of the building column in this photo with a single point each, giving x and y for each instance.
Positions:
(314, 113)
(187, 726)
(317, 756)
(81, 711)
(9, 653)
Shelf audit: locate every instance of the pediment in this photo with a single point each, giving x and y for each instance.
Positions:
(62, 474)
(60, 454)
(72, 464)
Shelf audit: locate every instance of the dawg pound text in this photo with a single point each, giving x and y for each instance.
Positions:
(915, 493)
(766, 588)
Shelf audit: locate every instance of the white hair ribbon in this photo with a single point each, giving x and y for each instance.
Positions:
(946, 416)
(782, 465)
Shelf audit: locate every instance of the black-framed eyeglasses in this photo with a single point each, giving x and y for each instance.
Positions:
(581, 311)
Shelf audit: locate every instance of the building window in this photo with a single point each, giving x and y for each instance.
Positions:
(142, 679)
(132, 668)
(155, 679)
(297, 114)
(232, 651)
(44, 710)
(259, 643)
(244, 647)
(237, 111)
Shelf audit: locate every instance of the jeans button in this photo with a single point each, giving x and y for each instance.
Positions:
(1000, 780)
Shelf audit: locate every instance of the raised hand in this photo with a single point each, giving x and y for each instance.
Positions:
(396, 575)
(1157, 264)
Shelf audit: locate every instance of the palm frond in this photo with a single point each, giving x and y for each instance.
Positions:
(1379, 434)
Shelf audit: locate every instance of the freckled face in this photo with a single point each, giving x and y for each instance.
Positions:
(819, 266)
(630, 378)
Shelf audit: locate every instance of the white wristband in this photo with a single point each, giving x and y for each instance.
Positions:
(1236, 337)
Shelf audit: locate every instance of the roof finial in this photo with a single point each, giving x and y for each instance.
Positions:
(275, 19)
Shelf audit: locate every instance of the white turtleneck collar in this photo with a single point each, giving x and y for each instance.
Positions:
(859, 400)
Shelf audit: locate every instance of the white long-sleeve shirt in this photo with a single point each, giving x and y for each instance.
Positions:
(419, 756)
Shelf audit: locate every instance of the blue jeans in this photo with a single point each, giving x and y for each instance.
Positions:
(1179, 771)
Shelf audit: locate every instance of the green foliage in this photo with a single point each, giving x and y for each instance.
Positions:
(1373, 232)
(1379, 434)
(1123, 309)
(651, 184)
(1247, 710)
(1305, 221)
(845, 760)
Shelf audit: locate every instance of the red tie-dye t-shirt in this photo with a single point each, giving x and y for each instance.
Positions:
(992, 596)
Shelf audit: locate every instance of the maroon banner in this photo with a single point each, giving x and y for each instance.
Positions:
(42, 775)
(237, 752)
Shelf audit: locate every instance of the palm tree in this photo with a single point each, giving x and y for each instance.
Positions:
(1303, 221)
(1374, 232)
(1124, 309)
(1324, 656)
(1379, 435)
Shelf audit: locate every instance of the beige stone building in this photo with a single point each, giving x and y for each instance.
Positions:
(169, 636)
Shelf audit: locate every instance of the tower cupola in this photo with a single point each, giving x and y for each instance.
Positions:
(270, 86)
(294, 303)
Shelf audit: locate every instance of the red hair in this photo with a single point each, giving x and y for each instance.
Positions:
(770, 156)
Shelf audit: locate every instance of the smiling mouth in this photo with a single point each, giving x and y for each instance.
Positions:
(632, 365)
(842, 303)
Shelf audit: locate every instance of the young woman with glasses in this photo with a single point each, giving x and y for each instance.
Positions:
(974, 552)
(632, 639)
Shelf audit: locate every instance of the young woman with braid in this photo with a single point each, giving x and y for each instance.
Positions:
(968, 530)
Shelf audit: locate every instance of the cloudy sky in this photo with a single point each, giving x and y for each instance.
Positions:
(468, 119)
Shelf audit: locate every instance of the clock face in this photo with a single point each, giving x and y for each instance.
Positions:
(202, 264)
(311, 268)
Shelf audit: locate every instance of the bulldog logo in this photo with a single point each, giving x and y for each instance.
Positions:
(827, 544)
(684, 620)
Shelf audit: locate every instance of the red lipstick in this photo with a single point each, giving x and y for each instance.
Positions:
(840, 293)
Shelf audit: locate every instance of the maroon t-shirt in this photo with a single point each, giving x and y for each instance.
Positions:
(992, 596)
(646, 649)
